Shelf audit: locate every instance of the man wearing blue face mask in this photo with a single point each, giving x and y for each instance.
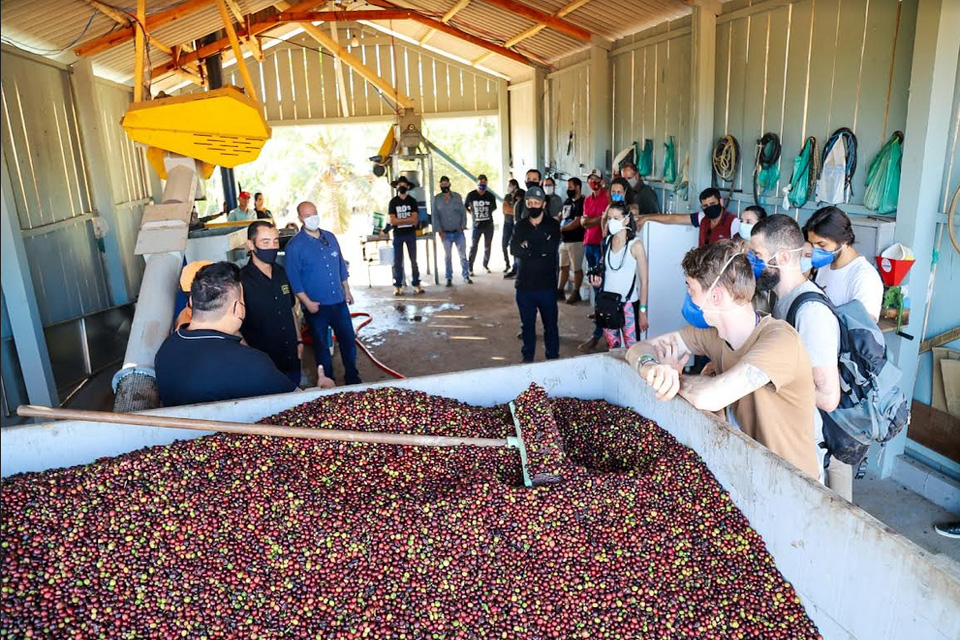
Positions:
(271, 323)
(763, 373)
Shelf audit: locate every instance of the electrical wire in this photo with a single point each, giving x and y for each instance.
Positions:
(52, 52)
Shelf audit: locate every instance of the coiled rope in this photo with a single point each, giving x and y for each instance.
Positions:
(726, 159)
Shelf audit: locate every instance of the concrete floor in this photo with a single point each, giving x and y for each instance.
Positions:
(475, 326)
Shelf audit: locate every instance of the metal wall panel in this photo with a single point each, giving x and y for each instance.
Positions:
(42, 143)
(809, 67)
(651, 94)
(128, 171)
(569, 135)
(523, 140)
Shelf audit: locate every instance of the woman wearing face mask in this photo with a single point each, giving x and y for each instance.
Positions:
(748, 219)
(842, 273)
(514, 192)
(624, 276)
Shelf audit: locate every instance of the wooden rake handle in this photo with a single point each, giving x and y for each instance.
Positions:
(276, 431)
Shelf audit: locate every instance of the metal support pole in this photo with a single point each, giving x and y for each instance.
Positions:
(88, 118)
(214, 69)
(933, 76)
(25, 321)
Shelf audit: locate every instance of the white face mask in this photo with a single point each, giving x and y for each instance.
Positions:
(312, 223)
(632, 181)
(548, 191)
(614, 226)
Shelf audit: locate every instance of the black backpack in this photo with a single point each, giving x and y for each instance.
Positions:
(872, 406)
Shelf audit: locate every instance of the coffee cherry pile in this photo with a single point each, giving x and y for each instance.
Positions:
(254, 537)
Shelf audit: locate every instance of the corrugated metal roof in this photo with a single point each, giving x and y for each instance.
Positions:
(53, 27)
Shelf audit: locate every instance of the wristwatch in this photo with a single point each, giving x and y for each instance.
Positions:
(646, 358)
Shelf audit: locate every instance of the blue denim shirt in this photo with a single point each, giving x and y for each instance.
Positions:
(315, 266)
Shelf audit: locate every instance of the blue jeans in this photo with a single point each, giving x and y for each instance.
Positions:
(410, 240)
(487, 233)
(505, 242)
(337, 317)
(529, 303)
(594, 252)
(458, 238)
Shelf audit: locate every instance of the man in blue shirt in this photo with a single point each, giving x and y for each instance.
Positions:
(318, 277)
(205, 361)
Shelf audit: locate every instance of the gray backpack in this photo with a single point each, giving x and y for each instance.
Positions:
(872, 407)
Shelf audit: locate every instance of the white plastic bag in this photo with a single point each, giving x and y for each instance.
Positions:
(833, 176)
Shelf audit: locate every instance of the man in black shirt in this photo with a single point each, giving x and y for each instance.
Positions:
(535, 242)
(403, 219)
(532, 179)
(262, 212)
(641, 197)
(481, 204)
(572, 233)
(270, 324)
(204, 361)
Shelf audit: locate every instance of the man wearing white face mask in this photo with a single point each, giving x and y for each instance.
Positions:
(318, 277)
(554, 203)
(641, 195)
(777, 256)
(762, 369)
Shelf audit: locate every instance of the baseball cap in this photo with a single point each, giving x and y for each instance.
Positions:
(535, 192)
(190, 272)
(442, 178)
(596, 173)
(244, 194)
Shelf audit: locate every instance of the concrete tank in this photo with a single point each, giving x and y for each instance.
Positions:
(857, 578)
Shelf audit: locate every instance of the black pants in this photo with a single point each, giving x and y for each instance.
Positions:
(505, 241)
(487, 233)
(544, 301)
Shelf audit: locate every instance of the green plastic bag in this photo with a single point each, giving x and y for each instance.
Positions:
(801, 179)
(883, 177)
(669, 161)
(645, 165)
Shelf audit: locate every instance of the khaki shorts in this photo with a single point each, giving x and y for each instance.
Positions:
(571, 255)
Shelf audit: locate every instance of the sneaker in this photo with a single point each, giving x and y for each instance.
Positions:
(574, 299)
(488, 269)
(449, 282)
(472, 274)
(592, 315)
(561, 295)
(397, 291)
(468, 280)
(506, 269)
(589, 345)
(949, 529)
(519, 335)
(418, 290)
(510, 275)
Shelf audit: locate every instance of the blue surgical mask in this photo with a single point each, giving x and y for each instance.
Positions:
(822, 257)
(693, 314)
(746, 229)
(481, 187)
(806, 264)
(758, 263)
(616, 197)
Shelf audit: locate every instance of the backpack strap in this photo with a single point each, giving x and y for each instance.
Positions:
(803, 298)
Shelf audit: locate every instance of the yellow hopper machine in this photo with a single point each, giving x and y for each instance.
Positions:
(222, 127)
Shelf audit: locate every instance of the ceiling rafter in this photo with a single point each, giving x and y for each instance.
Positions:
(447, 17)
(537, 28)
(121, 36)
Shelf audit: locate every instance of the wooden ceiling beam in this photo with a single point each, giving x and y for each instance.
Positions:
(235, 10)
(447, 17)
(293, 15)
(541, 17)
(537, 28)
(121, 36)
(125, 20)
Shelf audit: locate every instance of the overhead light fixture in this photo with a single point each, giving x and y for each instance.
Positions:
(355, 41)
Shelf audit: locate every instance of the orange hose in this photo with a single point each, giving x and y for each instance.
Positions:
(380, 365)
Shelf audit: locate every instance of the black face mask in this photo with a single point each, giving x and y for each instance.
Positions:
(713, 211)
(401, 190)
(768, 280)
(535, 213)
(267, 255)
(532, 183)
(445, 189)
(571, 193)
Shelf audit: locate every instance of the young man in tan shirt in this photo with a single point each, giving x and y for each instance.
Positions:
(763, 373)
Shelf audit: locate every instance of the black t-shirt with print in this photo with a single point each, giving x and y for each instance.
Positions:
(481, 206)
(403, 208)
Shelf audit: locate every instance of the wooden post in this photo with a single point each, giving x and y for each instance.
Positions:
(237, 51)
(933, 75)
(503, 115)
(539, 105)
(702, 87)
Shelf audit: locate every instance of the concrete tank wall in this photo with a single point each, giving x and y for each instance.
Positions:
(858, 579)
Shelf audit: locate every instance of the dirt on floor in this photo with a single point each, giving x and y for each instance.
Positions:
(445, 329)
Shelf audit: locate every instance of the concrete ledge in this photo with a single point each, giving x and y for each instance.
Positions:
(936, 487)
